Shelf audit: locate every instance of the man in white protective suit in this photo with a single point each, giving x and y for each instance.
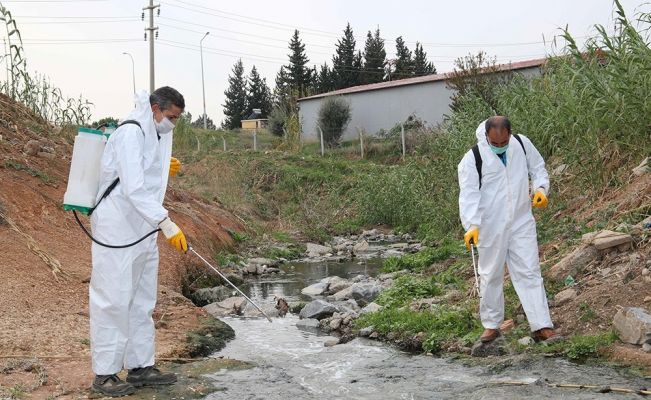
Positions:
(136, 163)
(495, 209)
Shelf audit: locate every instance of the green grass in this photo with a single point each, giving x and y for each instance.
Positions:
(290, 253)
(581, 347)
(424, 258)
(442, 324)
(408, 288)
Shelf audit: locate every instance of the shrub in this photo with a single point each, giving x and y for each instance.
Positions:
(277, 122)
(334, 116)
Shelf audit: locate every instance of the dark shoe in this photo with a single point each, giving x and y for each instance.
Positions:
(489, 335)
(112, 386)
(546, 335)
(149, 376)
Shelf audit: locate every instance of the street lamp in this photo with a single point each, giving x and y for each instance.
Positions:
(133, 71)
(203, 86)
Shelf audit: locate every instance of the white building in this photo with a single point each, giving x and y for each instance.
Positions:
(383, 105)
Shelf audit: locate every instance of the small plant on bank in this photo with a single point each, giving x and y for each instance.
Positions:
(587, 313)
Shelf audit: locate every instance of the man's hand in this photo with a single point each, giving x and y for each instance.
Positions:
(539, 199)
(174, 235)
(472, 236)
(175, 166)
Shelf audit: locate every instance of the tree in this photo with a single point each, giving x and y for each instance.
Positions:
(374, 58)
(422, 67)
(345, 62)
(282, 91)
(277, 120)
(105, 121)
(325, 80)
(258, 94)
(198, 123)
(300, 76)
(404, 67)
(334, 116)
(235, 104)
(476, 74)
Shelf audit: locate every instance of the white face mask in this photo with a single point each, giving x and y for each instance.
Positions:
(164, 127)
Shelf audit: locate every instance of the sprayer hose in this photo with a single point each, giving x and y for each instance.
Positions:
(124, 246)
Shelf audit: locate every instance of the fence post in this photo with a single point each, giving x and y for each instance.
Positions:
(321, 136)
(255, 140)
(402, 135)
(361, 141)
(224, 140)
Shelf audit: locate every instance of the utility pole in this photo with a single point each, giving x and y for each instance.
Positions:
(151, 38)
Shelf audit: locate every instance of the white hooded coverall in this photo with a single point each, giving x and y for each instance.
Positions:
(123, 283)
(507, 230)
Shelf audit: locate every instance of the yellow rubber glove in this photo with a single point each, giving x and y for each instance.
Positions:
(174, 235)
(175, 166)
(539, 199)
(472, 236)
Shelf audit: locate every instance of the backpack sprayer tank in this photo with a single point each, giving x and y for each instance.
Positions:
(83, 181)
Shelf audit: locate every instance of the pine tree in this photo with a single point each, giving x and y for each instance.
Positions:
(422, 67)
(300, 75)
(345, 63)
(282, 91)
(404, 67)
(258, 94)
(374, 58)
(235, 104)
(324, 81)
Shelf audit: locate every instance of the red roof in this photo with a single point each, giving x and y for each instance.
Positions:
(422, 79)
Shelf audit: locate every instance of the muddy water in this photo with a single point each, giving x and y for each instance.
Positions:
(293, 364)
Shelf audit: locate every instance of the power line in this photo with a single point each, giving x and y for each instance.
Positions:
(247, 20)
(83, 42)
(78, 40)
(238, 33)
(250, 56)
(247, 17)
(53, 1)
(74, 17)
(433, 58)
(78, 22)
(266, 25)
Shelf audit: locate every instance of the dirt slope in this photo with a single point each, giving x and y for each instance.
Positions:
(46, 314)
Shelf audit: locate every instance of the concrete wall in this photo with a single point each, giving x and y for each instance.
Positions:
(384, 108)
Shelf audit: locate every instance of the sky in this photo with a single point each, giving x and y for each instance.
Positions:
(79, 44)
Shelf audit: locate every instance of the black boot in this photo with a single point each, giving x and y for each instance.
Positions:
(112, 386)
(149, 376)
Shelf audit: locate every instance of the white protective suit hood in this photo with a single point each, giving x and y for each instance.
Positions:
(480, 133)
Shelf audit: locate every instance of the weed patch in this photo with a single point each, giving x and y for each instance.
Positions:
(45, 178)
(407, 288)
